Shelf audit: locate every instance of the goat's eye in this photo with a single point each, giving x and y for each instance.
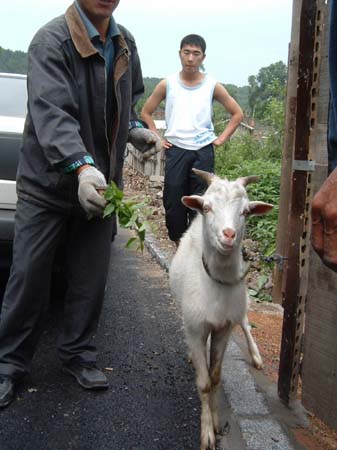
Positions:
(245, 213)
(206, 209)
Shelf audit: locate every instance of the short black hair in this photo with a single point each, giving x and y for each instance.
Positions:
(194, 39)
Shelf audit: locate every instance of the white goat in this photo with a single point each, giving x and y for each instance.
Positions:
(207, 278)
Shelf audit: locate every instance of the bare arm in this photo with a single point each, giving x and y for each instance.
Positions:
(151, 104)
(228, 102)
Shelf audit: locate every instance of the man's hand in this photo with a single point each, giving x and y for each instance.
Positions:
(324, 222)
(145, 140)
(218, 142)
(91, 180)
(165, 144)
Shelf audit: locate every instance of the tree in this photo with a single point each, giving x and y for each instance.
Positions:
(270, 83)
(13, 61)
(252, 94)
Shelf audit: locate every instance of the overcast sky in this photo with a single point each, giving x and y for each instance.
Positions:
(242, 35)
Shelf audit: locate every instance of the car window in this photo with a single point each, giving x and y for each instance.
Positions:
(13, 97)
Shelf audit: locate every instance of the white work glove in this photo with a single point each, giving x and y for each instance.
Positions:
(91, 180)
(146, 141)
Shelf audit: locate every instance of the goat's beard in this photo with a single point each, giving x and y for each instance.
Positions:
(225, 249)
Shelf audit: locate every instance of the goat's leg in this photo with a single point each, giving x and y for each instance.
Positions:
(198, 352)
(219, 340)
(252, 347)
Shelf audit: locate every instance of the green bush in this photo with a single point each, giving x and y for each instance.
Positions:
(244, 156)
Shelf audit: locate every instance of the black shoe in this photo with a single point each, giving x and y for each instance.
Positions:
(87, 375)
(6, 390)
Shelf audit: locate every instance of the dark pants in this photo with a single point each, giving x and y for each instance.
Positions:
(38, 233)
(179, 181)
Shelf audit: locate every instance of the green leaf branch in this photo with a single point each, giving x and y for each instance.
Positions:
(258, 293)
(131, 214)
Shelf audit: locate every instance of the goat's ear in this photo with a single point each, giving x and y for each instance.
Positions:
(193, 202)
(258, 208)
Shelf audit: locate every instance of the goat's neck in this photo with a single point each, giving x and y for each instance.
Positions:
(225, 268)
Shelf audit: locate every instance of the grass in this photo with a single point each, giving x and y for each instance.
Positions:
(242, 156)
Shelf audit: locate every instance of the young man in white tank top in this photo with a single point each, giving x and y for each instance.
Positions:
(189, 138)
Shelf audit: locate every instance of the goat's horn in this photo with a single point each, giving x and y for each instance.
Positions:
(206, 176)
(247, 180)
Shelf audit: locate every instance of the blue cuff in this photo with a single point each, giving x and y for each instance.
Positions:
(137, 124)
(79, 163)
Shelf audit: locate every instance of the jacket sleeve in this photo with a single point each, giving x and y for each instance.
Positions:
(137, 80)
(53, 105)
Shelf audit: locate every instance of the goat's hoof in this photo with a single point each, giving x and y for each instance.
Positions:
(258, 363)
(208, 443)
(208, 447)
(223, 430)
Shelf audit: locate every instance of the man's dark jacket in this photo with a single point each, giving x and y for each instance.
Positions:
(66, 117)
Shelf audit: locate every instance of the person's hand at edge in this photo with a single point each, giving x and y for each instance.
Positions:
(324, 222)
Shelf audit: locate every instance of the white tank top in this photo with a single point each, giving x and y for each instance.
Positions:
(188, 113)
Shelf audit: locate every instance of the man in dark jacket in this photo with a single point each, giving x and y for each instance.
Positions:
(84, 78)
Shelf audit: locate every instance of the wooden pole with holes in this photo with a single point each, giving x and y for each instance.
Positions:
(295, 277)
(319, 363)
(287, 152)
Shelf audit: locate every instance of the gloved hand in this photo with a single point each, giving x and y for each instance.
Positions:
(90, 180)
(145, 140)
(324, 222)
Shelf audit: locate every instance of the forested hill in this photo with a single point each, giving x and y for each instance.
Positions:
(13, 61)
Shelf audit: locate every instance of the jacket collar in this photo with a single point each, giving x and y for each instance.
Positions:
(79, 33)
(112, 31)
(80, 36)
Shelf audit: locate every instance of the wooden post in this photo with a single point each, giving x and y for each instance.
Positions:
(293, 300)
(318, 369)
(288, 151)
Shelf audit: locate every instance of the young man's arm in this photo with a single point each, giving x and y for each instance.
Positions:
(151, 104)
(228, 102)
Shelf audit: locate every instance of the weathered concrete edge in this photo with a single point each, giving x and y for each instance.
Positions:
(161, 256)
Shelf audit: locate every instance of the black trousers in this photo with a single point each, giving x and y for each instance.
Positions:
(179, 181)
(38, 233)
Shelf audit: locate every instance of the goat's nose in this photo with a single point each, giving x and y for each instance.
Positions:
(229, 233)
